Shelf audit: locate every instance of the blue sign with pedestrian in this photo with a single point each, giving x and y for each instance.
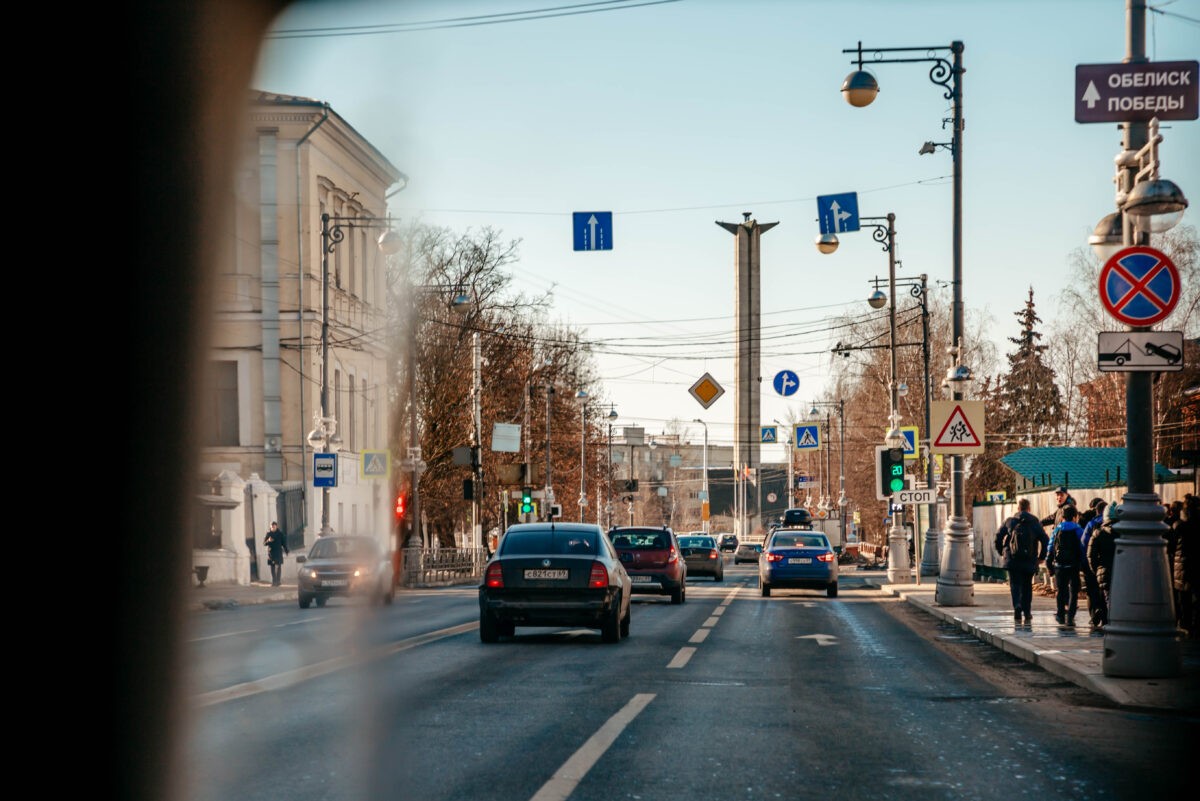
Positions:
(838, 213)
(593, 230)
(786, 382)
(808, 438)
(768, 434)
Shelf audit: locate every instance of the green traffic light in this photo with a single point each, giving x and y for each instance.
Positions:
(897, 484)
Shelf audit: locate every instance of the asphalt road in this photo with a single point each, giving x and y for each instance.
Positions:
(729, 696)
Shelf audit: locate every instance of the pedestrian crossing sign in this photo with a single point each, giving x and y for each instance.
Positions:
(768, 434)
(808, 438)
(375, 464)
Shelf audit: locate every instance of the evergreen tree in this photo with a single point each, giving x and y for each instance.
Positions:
(1030, 401)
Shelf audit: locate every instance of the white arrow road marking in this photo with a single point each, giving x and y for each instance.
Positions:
(1090, 95)
(822, 639)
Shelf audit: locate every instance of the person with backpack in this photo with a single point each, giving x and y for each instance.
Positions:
(1065, 559)
(1097, 607)
(1101, 551)
(1022, 542)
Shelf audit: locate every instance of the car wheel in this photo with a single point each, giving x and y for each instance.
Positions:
(305, 601)
(831, 590)
(321, 600)
(610, 629)
(506, 628)
(766, 590)
(720, 576)
(625, 622)
(677, 595)
(487, 628)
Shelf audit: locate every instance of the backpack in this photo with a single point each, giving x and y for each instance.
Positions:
(1019, 543)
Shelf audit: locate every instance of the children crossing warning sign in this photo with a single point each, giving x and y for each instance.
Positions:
(957, 426)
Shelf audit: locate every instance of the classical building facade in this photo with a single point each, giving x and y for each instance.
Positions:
(267, 379)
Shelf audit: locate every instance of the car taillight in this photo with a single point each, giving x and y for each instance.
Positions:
(672, 555)
(713, 555)
(825, 557)
(599, 577)
(495, 576)
(774, 557)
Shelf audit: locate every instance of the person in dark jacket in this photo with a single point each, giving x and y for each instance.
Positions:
(1187, 539)
(1102, 549)
(276, 544)
(1021, 569)
(1063, 499)
(1065, 559)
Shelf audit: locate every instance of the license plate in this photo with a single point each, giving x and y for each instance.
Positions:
(556, 575)
(640, 579)
(334, 583)
(804, 560)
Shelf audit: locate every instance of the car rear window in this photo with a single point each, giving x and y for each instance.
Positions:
(343, 548)
(799, 541)
(642, 539)
(697, 542)
(518, 543)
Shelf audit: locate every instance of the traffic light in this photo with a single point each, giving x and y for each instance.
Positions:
(526, 500)
(401, 505)
(891, 471)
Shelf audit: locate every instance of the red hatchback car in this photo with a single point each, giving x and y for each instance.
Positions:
(653, 560)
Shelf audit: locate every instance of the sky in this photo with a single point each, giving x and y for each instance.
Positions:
(676, 114)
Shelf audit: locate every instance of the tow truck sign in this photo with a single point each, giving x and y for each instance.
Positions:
(1140, 351)
(1136, 92)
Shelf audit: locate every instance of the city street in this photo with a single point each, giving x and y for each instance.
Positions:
(730, 695)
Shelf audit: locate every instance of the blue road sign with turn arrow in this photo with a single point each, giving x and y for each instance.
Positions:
(593, 230)
(786, 382)
(838, 213)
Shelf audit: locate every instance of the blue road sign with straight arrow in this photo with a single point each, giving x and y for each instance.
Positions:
(593, 230)
(838, 213)
(786, 382)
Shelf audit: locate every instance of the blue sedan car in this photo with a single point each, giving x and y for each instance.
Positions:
(798, 559)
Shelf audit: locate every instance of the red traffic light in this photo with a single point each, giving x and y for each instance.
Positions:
(401, 505)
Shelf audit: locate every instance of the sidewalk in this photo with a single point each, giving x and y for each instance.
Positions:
(1072, 653)
(1075, 654)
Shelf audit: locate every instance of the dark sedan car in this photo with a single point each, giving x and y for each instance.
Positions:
(801, 559)
(554, 574)
(344, 566)
(652, 557)
(729, 542)
(702, 556)
(747, 552)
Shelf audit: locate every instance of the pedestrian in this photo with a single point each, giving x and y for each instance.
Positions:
(1091, 514)
(276, 544)
(1063, 499)
(1022, 543)
(1065, 558)
(1184, 583)
(1102, 550)
(1097, 608)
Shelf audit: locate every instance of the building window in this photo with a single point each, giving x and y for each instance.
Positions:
(337, 401)
(219, 420)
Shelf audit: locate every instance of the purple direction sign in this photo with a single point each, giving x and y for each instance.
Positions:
(1139, 286)
(1136, 92)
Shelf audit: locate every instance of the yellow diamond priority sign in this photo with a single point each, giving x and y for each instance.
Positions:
(707, 390)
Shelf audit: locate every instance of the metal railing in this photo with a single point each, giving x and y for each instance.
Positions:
(438, 567)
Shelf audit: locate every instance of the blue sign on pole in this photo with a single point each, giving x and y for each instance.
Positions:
(786, 382)
(838, 213)
(324, 469)
(768, 434)
(808, 438)
(593, 230)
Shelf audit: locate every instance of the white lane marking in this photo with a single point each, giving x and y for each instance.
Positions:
(290, 678)
(822, 639)
(712, 621)
(700, 636)
(681, 658)
(720, 610)
(567, 778)
(729, 598)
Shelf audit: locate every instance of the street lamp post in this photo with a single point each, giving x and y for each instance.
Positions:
(332, 234)
(706, 502)
(791, 486)
(899, 571)
(1140, 639)
(842, 501)
(608, 503)
(955, 584)
(581, 397)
